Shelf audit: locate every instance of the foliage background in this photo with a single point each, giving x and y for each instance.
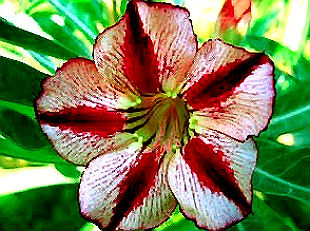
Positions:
(38, 190)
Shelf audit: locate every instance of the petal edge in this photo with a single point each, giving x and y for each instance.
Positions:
(201, 191)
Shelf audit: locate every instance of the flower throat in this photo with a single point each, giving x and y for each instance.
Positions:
(160, 120)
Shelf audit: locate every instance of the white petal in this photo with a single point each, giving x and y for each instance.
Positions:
(231, 90)
(126, 190)
(211, 180)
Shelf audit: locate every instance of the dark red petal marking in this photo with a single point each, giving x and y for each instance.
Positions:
(172, 35)
(97, 121)
(214, 172)
(76, 110)
(142, 54)
(135, 187)
(214, 88)
(140, 61)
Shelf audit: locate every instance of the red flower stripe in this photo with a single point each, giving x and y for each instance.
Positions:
(214, 172)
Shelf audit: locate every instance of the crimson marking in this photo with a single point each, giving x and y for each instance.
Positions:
(214, 88)
(135, 187)
(214, 172)
(140, 61)
(98, 121)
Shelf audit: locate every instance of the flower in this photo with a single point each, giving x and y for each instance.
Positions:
(158, 121)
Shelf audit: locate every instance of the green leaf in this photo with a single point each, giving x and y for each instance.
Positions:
(79, 15)
(123, 7)
(64, 35)
(264, 217)
(68, 170)
(21, 136)
(260, 26)
(302, 68)
(280, 162)
(30, 41)
(177, 222)
(19, 83)
(283, 185)
(74, 17)
(74, 24)
(292, 105)
(49, 208)
(45, 61)
(23, 130)
(282, 55)
(293, 212)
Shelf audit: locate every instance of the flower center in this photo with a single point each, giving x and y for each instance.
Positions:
(161, 119)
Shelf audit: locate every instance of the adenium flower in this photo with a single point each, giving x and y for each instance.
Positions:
(157, 121)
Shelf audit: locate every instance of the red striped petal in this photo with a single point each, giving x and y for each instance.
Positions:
(212, 180)
(142, 50)
(175, 43)
(126, 190)
(156, 207)
(74, 110)
(231, 89)
(126, 52)
(96, 121)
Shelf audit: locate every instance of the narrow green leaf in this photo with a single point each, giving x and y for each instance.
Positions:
(45, 61)
(71, 22)
(260, 26)
(21, 179)
(63, 34)
(74, 18)
(30, 41)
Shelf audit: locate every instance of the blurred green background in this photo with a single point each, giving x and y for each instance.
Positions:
(38, 190)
